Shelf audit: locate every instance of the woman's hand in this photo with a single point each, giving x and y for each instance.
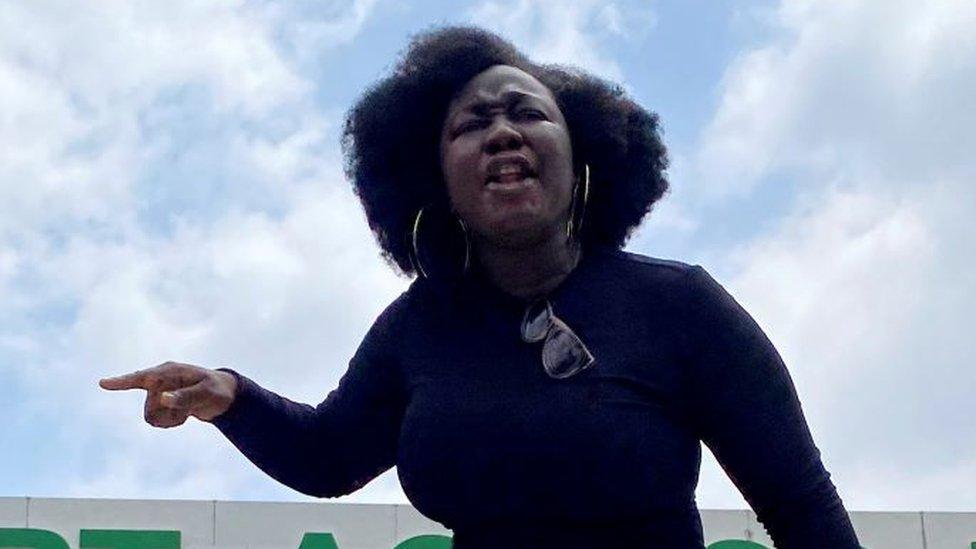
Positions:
(176, 391)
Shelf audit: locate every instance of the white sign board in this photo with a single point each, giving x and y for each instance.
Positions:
(49, 523)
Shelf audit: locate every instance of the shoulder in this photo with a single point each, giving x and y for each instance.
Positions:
(383, 332)
(663, 280)
(383, 341)
(647, 269)
(422, 300)
(648, 264)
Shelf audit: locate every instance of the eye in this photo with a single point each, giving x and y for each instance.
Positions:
(469, 125)
(531, 114)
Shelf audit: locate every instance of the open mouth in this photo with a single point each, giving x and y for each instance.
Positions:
(509, 178)
(508, 172)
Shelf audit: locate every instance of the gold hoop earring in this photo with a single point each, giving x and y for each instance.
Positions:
(575, 226)
(415, 246)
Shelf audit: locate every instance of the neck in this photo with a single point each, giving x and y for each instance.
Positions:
(528, 272)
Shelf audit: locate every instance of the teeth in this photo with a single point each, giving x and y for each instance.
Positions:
(508, 170)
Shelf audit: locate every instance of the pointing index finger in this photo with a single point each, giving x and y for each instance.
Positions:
(135, 380)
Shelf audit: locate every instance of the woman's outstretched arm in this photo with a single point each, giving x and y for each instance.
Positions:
(747, 412)
(328, 450)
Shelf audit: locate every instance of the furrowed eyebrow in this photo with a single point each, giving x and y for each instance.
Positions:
(482, 106)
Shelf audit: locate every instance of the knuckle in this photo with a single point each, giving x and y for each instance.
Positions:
(152, 419)
(208, 384)
(169, 366)
(152, 380)
(180, 400)
(175, 418)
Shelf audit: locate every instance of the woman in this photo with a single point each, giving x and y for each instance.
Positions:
(535, 385)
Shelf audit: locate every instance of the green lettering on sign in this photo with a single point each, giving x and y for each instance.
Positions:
(130, 539)
(736, 544)
(32, 538)
(430, 541)
(314, 540)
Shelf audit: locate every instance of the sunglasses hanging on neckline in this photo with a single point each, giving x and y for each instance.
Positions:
(563, 353)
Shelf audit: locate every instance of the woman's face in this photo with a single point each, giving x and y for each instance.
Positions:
(507, 158)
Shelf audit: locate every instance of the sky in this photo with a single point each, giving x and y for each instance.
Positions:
(171, 188)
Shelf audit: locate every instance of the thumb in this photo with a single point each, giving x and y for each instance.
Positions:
(184, 399)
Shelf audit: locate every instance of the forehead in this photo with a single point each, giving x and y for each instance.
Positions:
(497, 83)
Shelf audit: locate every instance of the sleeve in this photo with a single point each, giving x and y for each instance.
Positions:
(338, 446)
(747, 412)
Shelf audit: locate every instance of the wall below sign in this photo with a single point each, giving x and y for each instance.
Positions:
(254, 525)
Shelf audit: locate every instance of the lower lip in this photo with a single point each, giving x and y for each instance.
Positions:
(510, 186)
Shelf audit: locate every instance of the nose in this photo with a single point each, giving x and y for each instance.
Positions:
(502, 137)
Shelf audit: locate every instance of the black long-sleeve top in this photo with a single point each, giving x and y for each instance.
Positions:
(486, 443)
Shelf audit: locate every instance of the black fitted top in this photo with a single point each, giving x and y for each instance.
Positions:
(486, 443)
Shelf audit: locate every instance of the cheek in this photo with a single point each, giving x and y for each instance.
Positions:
(553, 146)
(458, 194)
(558, 157)
(460, 169)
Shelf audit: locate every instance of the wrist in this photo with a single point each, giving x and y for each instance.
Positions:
(228, 386)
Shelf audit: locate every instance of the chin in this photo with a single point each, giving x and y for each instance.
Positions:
(517, 235)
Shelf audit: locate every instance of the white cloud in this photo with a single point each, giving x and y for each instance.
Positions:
(77, 90)
(849, 81)
(565, 32)
(275, 300)
(309, 27)
(861, 106)
(102, 105)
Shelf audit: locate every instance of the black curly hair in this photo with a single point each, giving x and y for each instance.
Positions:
(391, 138)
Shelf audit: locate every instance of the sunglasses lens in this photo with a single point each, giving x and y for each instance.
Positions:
(536, 323)
(564, 354)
